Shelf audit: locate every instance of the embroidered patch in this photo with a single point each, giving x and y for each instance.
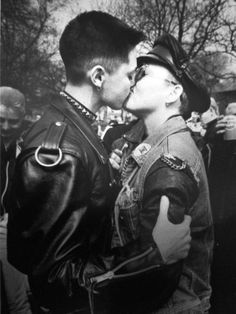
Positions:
(173, 162)
(141, 149)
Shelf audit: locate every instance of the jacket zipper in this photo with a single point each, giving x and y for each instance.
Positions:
(111, 274)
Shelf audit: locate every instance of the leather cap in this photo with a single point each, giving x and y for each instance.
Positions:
(169, 53)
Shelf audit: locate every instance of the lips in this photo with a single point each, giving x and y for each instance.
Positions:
(127, 98)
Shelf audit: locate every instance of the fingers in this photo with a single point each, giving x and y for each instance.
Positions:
(220, 117)
(115, 159)
(227, 122)
(221, 125)
(117, 152)
(179, 251)
(163, 215)
(164, 206)
(220, 131)
(231, 122)
(114, 164)
(187, 219)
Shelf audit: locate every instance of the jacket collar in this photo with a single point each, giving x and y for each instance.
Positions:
(174, 124)
(136, 134)
(82, 124)
(79, 107)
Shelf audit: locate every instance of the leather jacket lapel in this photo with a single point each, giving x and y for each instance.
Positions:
(84, 127)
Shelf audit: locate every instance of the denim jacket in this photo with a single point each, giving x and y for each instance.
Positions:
(146, 174)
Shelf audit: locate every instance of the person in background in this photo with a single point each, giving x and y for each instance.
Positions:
(14, 284)
(222, 183)
(209, 121)
(59, 228)
(159, 157)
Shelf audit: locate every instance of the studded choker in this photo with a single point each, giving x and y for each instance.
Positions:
(79, 107)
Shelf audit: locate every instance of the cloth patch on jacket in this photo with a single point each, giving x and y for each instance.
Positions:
(141, 149)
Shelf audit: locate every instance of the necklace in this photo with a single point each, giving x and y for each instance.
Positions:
(79, 107)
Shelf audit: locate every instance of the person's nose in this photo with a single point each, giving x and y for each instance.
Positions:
(5, 125)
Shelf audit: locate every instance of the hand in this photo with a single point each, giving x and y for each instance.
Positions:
(173, 240)
(231, 122)
(220, 125)
(115, 158)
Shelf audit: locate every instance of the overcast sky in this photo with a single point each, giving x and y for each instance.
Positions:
(73, 8)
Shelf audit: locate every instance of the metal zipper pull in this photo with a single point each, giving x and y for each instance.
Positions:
(97, 279)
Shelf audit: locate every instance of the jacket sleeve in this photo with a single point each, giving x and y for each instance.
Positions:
(139, 273)
(179, 185)
(48, 239)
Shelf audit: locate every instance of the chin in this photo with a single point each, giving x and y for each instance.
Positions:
(116, 106)
(128, 103)
(130, 106)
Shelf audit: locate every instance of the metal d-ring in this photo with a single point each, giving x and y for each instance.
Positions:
(48, 165)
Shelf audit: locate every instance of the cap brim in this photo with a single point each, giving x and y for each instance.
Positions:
(199, 99)
(155, 59)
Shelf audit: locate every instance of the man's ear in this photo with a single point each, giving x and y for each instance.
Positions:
(174, 94)
(97, 76)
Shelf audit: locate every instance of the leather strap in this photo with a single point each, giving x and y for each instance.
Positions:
(54, 135)
(51, 143)
(85, 129)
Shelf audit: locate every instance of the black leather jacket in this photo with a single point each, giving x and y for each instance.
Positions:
(61, 212)
(59, 229)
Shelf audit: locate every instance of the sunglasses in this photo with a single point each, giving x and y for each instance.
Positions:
(140, 72)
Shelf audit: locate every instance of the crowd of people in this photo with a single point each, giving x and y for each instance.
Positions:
(138, 222)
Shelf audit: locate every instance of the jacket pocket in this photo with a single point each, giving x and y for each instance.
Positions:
(127, 209)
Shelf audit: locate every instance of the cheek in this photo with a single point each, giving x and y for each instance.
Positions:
(143, 91)
(125, 89)
(122, 83)
(144, 96)
(121, 89)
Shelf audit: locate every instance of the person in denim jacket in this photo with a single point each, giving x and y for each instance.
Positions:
(159, 157)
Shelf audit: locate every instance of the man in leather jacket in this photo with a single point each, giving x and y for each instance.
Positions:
(160, 157)
(14, 284)
(60, 227)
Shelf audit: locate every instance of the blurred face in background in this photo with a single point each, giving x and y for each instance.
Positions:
(231, 109)
(10, 123)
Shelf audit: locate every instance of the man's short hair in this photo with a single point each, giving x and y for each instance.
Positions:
(96, 38)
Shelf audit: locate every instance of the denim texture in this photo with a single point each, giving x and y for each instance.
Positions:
(173, 138)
